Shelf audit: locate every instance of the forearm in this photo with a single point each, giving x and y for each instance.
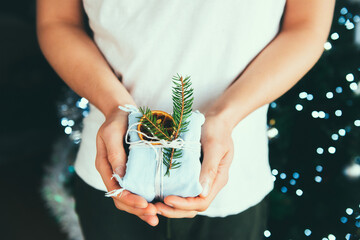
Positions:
(281, 64)
(77, 60)
(273, 72)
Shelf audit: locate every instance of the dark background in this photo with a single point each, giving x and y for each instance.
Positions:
(28, 125)
(31, 93)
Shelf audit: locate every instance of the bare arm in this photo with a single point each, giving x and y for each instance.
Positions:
(78, 61)
(282, 63)
(274, 71)
(74, 55)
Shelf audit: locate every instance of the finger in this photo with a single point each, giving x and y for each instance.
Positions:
(170, 212)
(188, 204)
(147, 214)
(213, 153)
(151, 220)
(131, 199)
(150, 210)
(105, 171)
(115, 150)
(103, 166)
(201, 203)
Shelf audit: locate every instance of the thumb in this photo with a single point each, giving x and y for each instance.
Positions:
(209, 167)
(116, 153)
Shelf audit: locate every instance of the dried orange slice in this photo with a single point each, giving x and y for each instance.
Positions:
(163, 118)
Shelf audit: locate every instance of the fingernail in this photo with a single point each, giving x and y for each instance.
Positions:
(148, 214)
(120, 171)
(206, 187)
(170, 205)
(158, 212)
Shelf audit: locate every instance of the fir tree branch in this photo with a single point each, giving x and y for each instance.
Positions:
(182, 108)
(180, 120)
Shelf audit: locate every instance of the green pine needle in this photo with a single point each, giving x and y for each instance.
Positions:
(182, 96)
(182, 107)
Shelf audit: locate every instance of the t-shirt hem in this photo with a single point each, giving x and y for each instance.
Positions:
(91, 184)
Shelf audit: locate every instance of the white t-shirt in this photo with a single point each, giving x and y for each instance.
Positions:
(147, 42)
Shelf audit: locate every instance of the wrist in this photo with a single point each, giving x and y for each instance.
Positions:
(114, 110)
(110, 108)
(224, 114)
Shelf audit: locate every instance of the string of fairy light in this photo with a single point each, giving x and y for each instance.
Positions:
(350, 22)
(71, 115)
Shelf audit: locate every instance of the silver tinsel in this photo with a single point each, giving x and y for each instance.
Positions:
(55, 190)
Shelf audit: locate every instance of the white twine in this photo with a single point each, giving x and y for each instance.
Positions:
(159, 192)
(115, 192)
(178, 143)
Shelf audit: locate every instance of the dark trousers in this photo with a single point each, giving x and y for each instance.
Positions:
(101, 220)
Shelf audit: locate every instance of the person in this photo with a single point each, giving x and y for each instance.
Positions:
(241, 55)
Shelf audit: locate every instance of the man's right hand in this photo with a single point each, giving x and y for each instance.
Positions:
(111, 157)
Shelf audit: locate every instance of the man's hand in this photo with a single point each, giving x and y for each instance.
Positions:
(111, 157)
(218, 149)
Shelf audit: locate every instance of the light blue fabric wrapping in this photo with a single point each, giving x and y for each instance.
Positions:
(141, 166)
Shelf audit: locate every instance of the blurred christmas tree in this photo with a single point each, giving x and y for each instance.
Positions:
(315, 145)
